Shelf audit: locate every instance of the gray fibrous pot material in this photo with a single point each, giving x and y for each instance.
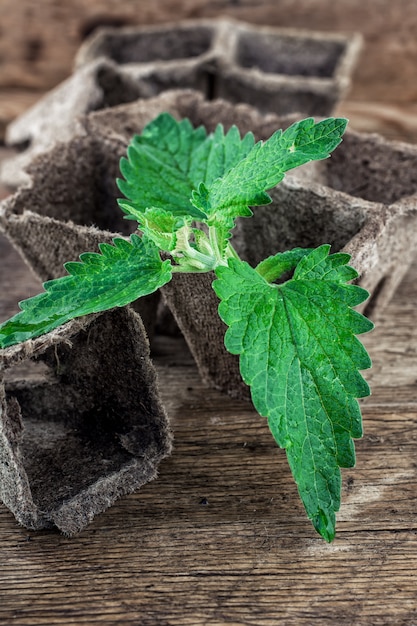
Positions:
(363, 201)
(286, 70)
(277, 70)
(53, 118)
(370, 168)
(181, 41)
(193, 303)
(68, 207)
(178, 55)
(81, 422)
(274, 69)
(126, 120)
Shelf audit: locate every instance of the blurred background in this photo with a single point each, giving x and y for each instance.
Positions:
(39, 39)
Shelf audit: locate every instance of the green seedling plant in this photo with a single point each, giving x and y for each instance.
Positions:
(296, 338)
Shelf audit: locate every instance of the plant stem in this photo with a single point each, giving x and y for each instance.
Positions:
(193, 261)
(231, 252)
(214, 242)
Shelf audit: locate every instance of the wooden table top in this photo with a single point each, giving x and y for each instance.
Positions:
(221, 536)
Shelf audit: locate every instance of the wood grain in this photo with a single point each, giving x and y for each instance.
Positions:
(220, 538)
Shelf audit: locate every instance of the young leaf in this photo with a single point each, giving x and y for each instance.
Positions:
(264, 167)
(170, 159)
(299, 354)
(120, 274)
(161, 227)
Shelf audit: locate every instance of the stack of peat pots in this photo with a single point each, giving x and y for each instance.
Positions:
(363, 201)
(284, 71)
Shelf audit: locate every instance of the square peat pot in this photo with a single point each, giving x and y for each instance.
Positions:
(114, 66)
(287, 70)
(81, 422)
(275, 70)
(53, 118)
(279, 70)
(69, 206)
(362, 200)
(163, 57)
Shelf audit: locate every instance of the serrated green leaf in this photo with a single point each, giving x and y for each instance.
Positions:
(122, 273)
(168, 161)
(299, 354)
(264, 167)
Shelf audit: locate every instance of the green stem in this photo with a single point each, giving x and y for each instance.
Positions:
(181, 269)
(192, 260)
(231, 252)
(214, 242)
(204, 260)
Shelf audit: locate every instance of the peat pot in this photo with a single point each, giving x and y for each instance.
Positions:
(275, 69)
(280, 70)
(362, 200)
(68, 207)
(81, 422)
(286, 70)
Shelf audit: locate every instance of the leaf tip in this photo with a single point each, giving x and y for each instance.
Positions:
(325, 524)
